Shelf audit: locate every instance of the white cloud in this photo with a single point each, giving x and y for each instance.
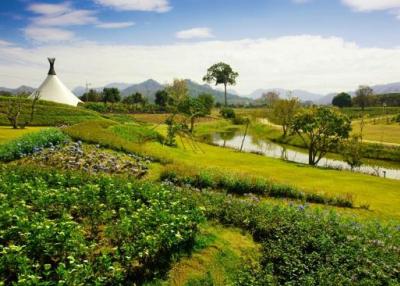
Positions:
(159, 6)
(115, 25)
(75, 17)
(49, 9)
(47, 35)
(195, 33)
(371, 5)
(4, 43)
(307, 62)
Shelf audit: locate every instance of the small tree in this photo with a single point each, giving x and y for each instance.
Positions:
(208, 101)
(15, 110)
(134, 99)
(284, 111)
(270, 98)
(342, 100)
(352, 152)
(321, 129)
(111, 95)
(221, 73)
(91, 96)
(193, 108)
(364, 97)
(177, 94)
(161, 98)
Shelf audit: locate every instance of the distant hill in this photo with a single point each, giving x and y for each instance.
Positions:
(378, 89)
(149, 88)
(21, 89)
(301, 94)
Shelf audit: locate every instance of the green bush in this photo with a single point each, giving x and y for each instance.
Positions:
(31, 143)
(64, 228)
(303, 246)
(227, 113)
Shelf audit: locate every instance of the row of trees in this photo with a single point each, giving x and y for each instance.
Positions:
(363, 98)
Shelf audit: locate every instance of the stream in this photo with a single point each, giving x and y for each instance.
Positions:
(234, 138)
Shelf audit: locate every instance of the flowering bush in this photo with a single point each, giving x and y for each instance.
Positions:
(70, 229)
(89, 158)
(31, 143)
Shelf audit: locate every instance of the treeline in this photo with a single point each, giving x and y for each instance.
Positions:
(365, 97)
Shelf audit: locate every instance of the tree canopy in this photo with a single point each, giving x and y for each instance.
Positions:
(342, 100)
(284, 111)
(221, 73)
(111, 95)
(321, 129)
(364, 97)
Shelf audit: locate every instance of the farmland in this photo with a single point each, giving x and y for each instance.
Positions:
(105, 200)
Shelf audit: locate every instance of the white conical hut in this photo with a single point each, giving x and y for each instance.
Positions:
(52, 89)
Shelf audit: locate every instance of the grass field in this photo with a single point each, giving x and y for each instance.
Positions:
(383, 195)
(380, 132)
(7, 133)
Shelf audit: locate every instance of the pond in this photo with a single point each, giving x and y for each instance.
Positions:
(234, 138)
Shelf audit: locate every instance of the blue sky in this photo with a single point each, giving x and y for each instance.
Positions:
(181, 37)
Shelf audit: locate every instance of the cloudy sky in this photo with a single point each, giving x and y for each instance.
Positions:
(317, 45)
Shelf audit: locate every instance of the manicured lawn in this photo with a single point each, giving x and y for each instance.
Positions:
(7, 133)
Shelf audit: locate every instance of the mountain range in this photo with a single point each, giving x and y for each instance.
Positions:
(149, 88)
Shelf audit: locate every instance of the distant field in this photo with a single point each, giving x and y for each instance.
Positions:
(380, 132)
(7, 133)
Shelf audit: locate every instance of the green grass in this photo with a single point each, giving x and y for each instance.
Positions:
(49, 113)
(7, 133)
(383, 195)
(380, 132)
(218, 256)
(136, 133)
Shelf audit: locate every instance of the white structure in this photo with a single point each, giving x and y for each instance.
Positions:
(52, 89)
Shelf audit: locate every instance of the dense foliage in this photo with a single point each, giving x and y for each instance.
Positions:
(31, 143)
(301, 246)
(68, 229)
(342, 100)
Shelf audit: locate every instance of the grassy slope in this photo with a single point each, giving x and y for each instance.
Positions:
(7, 133)
(49, 113)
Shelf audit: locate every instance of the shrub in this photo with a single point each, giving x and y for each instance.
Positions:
(248, 185)
(66, 228)
(303, 246)
(227, 113)
(31, 143)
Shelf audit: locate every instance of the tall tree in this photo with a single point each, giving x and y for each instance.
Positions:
(221, 73)
(284, 111)
(364, 97)
(321, 129)
(342, 100)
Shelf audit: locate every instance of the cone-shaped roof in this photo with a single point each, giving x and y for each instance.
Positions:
(52, 89)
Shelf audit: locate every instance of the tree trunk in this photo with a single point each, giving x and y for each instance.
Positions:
(226, 100)
(192, 119)
(311, 156)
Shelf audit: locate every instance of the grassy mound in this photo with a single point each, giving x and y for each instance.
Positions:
(49, 113)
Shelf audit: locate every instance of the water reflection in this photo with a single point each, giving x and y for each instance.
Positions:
(233, 139)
